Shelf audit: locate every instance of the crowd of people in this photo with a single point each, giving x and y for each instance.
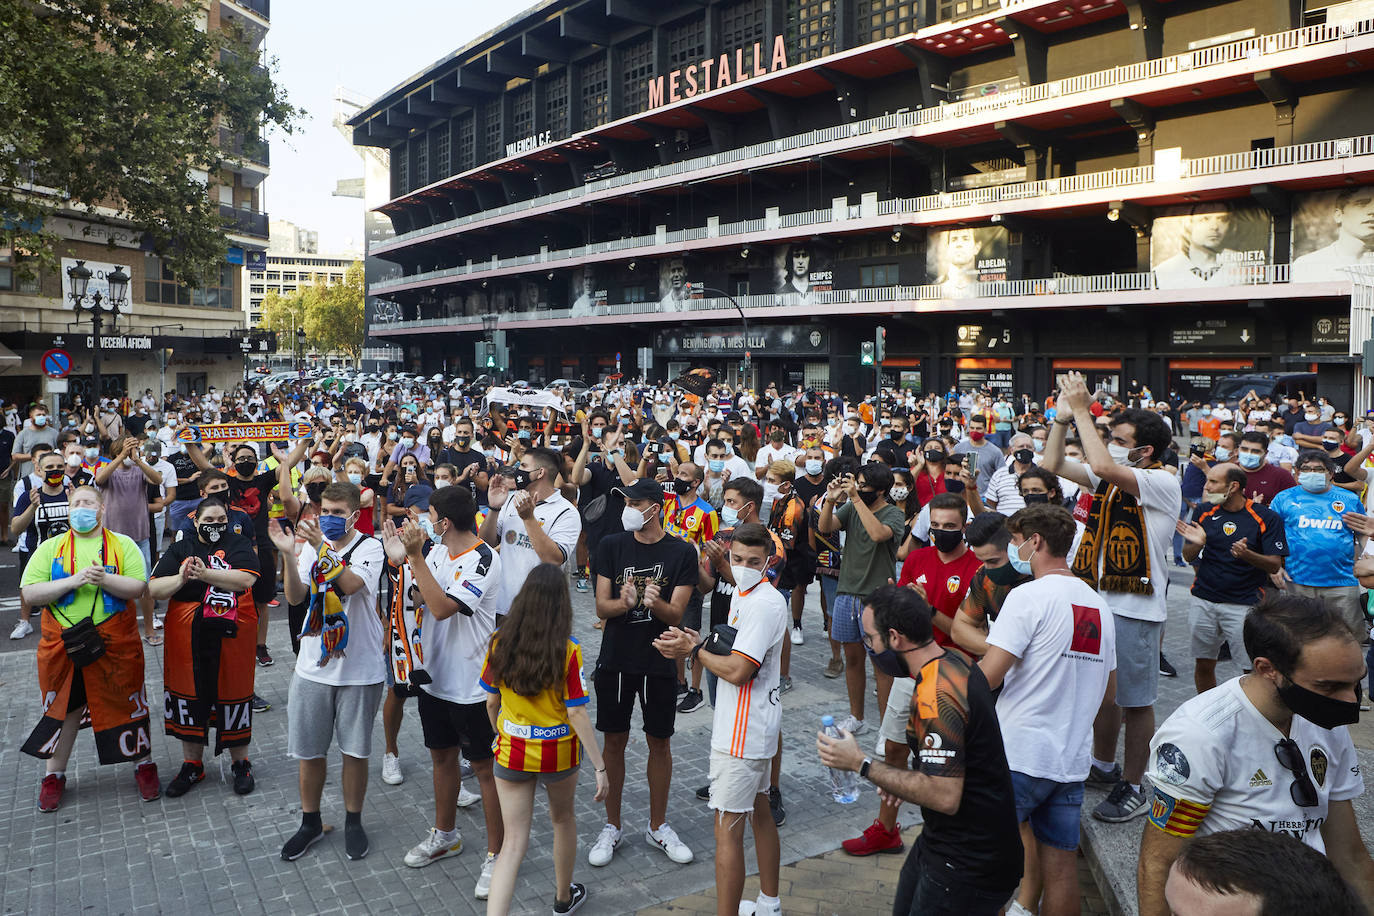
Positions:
(997, 566)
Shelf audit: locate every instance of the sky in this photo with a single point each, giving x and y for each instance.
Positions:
(367, 48)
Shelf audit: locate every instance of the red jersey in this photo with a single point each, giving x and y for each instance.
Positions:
(945, 584)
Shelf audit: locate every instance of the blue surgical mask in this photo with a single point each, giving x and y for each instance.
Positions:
(356, 479)
(334, 527)
(1248, 460)
(84, 519)
(716, 465)
(675, 435)
(1014, 557)
(427, 527)
(814, 467)
(1223, 453)
(1312, 481)
(597, 431)
(729, 517)
(523, 435)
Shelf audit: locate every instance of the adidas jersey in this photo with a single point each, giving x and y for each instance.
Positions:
(1213, 768)
(455, 648)
(748, 717)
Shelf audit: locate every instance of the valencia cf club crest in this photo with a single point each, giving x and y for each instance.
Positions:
(1338, 506)
(1228, 529)
(1319, 765)
(1087, 630)
(952, 583)
(1123, 546)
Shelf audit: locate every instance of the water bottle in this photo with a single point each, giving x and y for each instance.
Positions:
(844, 784)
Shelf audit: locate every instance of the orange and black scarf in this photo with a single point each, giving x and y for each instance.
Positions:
(1115, 534)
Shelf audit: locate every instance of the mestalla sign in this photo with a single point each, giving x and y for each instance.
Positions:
(715, 73)
(759, 341)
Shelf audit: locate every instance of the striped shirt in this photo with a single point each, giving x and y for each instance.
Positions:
(748, 717)
(533, 734)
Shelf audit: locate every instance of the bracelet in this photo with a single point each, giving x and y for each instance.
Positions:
(1062, 422)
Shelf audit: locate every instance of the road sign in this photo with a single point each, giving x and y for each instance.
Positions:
(57, 363)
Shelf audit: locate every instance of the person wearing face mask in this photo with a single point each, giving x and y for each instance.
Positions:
(597, 471)
(1002, 494)
(1138, 501)
(340, 671)
(1264, 480)
(644, 580)
(408, 443)
(1052, 650)
(1311, 429)
(409, 475)
(214, 483)
(690, 518)
(125, 481)
(1236, 544)
(1323, 524)
(37, 430)
(987, 457)
(1265, 749)
(987, 537)
(468, 461)
(968, 850)
(211, 630)
(777, 449)
(746, 730)
(530, 520)
(354, 471)
(89, 577)
(40, 512)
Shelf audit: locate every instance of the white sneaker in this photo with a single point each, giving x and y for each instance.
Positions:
(484, 879)
(1016, 909)
(467, 799)
(604, 847)
(391, 770)
(852, 725)
(433, 848)
(666, 838)
(797, 637)
(157, 623)
(21, 629)
(760, 908)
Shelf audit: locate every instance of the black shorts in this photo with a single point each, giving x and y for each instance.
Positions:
(799, 570)
(265, 588)
(460, 725)
(615, 700)
(691, 618)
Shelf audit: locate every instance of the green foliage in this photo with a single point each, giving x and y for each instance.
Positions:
(114, 103)
(332, 316)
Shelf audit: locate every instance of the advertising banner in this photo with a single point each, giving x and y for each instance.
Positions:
(100, 271)
(801, 270)
(1210, 244)
(1332, 230)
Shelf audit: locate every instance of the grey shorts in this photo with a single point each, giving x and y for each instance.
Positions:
(1213, 623)
(736, 783)
(317, 713)
(1343, 599)
(545, 779)
(1137, 661)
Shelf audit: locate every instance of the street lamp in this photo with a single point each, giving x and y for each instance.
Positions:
(300, 349)
(80, 279)
(743, 321)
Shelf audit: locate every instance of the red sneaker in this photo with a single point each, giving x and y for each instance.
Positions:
(274, 603)
(50, 792)
(145, 774)
(876, 838)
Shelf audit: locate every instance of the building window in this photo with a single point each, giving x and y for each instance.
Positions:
(443, 163)
(464, 131)
(686, 42)
(289, 277)
(811, 24)
(741, 24)
(160, 285)
(635, 294)
(274, 275)
(637, 66)
(951, 10)
(879, 19)
(491, 131)
(595, 93)
(556, 103)
(257, 289)
(878, 275)
(9, 272)
(522, 112)
(218, 294)
(400, 165)
(420, 150)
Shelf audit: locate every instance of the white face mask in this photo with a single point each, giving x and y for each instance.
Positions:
(746, 577)
(1120, 454)
(440, 483)
(770, 493)
(899, 493)
(631, 519)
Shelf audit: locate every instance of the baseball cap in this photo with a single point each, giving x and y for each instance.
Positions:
(643, 488)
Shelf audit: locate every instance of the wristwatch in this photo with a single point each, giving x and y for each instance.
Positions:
(864, 767)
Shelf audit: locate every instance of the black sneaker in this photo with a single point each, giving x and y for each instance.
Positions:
(692, 700)
(704, 793)
(682, 689)
(264, 657)
(1122, 804)
(1166, 669)
(260, 705)
(189, 774)
(243, 777)
(1106, 779)
(1224, 653)
(775, 806)
(576, 897)
(355, 841)
(302, 840)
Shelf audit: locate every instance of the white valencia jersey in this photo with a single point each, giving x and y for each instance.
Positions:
(456, 647)
(1213, 767)
(748, 718)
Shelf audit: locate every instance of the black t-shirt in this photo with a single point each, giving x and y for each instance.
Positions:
(253, 498)
(186, 469)
(49, 519)
(1223, 578)
(604, 479)
(627, 640)
(460, 460)
(135, 424)
(6, 450)
(952, 731)
(233, 552)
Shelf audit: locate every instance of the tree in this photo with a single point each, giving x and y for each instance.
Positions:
(334, 314)
(119, 103)
(283, 314)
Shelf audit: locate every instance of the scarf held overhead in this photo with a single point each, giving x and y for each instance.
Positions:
(1115, 536)
(324, 614)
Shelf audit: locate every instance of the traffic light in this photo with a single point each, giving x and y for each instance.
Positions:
(880, 343)
(491, 361)
(866, 355)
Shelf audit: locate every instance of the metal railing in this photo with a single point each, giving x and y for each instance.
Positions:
(244, 222)
(899, 209)
(237, 146)
(1249, 49)
(262, 7)
(1246, 275)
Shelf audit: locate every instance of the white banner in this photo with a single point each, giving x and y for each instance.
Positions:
(100, 270)
(531, 399)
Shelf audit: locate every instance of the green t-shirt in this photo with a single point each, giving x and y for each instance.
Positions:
(865, 564)
(122, 556)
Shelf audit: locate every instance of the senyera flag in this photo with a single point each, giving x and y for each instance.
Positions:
(246, 432)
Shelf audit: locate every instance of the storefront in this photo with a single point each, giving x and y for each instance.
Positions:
(1193, 378)
(790, 355)
(1098, 374)
(993, 375)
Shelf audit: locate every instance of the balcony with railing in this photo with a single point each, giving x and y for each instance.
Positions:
(1205, 65)
(262, 8)
(248, 223)
(1351, 156)
(237, 146)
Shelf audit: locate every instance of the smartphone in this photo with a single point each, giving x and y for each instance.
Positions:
(1198, 450)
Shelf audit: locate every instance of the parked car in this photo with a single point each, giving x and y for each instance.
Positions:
(1231, 388)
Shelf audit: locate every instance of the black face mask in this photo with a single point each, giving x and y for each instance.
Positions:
(946, 541)
(462, 441)
(897, 435)
(521, 478)
(1321, 711)
(1033, 499)
(245, 468)
(935, 457)
(681, 487)
(890, 663)
(1005, 574)
(315, 491)
(869, 497)
(213, 533)
(1023, 455)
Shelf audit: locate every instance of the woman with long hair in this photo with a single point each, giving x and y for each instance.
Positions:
(928, 469)
(749, 442)
(533, 677)
(410, 473)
